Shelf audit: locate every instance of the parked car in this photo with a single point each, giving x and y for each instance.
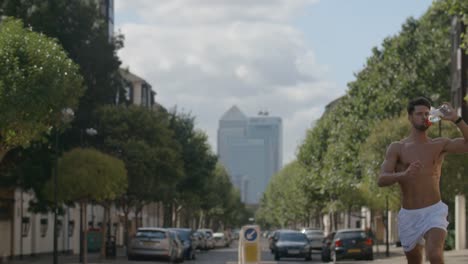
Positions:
(200, 237)
(315, 237)
(178, 244)
(208, 237)
(188, 240)
(351, 244)
(291, 244)
(220, 240)
(235, 234)
(153, 242)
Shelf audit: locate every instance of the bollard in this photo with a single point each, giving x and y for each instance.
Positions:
(249, 245)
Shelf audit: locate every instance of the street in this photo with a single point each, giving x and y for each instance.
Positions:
(226, 255)
(229, 255)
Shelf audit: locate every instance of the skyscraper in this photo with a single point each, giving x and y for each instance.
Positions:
(251, 150)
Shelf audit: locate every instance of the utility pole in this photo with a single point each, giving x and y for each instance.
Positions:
(387, 248)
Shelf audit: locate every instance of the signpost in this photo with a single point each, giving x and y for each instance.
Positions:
(250, 243)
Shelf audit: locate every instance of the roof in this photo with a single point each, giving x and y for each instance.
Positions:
(234, 113)
(127, 75)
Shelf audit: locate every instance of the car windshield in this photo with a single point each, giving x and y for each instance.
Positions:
(351, 235)
(293, 237)
(156, 234)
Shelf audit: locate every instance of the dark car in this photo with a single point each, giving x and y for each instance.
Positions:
(351, 244)
(187, 238)
(291, 244)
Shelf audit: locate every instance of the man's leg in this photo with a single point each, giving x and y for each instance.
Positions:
(435, 239)
(415, 255)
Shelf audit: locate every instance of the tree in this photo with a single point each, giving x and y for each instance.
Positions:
(286, 202)
(37, 81)
(81, 29)
(86, 175)
(142, 138)
(199, 165)
(413, 63)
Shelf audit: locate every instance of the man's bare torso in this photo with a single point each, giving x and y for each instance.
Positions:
(422, 190)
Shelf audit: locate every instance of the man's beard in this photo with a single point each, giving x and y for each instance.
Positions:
(421, 128)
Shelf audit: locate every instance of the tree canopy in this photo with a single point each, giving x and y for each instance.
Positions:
(88, 175)
(37, 81)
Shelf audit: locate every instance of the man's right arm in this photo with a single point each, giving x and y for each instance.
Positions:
(388, 176)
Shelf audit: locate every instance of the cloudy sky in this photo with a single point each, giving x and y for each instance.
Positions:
(290, 57)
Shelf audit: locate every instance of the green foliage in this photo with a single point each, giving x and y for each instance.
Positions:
(343, 152)
(88, 175)
(80, 28)
(143, 140)
(285, 201)
(199, 161)
(37, 81)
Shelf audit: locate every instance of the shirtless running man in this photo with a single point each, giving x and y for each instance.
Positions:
(415, 164)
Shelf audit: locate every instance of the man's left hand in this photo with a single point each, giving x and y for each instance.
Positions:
(451, 114)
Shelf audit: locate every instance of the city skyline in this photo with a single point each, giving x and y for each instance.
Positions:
(250, 148)
(290, 57)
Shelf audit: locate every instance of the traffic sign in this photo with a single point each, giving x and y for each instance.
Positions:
(250, 234)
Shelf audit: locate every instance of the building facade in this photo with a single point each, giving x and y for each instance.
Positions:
(251, 150)
(137, 90)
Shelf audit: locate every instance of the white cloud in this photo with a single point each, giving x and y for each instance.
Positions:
(212, 11)
(242, 52)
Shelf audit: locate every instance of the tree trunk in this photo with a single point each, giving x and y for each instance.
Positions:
(168, 213)
(104, 229)
(85, 233)
(3, 152)
(200, 221)
(158, 215)
(126, 228)
(349, 218)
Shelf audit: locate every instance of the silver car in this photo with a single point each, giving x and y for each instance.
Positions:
(315, 238)
(154, 242)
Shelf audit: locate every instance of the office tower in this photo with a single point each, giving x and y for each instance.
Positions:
(251, 150)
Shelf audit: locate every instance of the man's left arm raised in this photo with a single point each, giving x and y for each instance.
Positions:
(458, 145)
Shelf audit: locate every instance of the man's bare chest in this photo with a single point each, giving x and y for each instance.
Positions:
(428, 154)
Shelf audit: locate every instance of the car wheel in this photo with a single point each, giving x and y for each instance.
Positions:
(131, 257)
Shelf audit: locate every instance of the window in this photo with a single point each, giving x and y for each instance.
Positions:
(156, 234)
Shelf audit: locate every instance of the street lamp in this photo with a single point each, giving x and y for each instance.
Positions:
(90, 132)
(66, 117)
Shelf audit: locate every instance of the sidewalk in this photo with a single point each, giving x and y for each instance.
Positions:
(397, 256)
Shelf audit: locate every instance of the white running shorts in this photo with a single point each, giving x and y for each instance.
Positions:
(413, 224)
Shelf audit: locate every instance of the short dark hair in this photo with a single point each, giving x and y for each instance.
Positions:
(418, 101)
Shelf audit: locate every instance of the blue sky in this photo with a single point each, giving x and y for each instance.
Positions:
(291, 57)
(343, 32)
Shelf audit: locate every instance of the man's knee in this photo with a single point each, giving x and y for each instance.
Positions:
(435, 257)
(414, 256)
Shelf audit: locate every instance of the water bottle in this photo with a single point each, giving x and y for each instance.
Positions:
(436, 114)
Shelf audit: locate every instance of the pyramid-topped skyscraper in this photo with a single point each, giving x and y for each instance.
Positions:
(251, 150)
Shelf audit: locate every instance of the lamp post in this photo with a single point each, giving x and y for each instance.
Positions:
(91, 132)
(387, 251)
(67, 117)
